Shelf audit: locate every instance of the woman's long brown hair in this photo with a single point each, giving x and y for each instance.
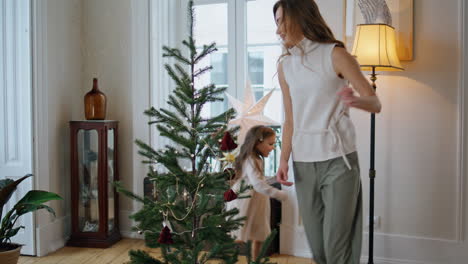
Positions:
(254, 136)
(303, 16)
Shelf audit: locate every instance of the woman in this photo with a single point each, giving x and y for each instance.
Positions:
(313, 72)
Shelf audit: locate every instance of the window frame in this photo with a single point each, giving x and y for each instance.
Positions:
(168, 20)
(237, 42)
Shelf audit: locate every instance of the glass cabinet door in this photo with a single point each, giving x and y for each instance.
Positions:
(88, 156)
(110, 179)
(94, 169)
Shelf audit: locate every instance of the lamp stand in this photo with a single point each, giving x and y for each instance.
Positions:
(372, 177)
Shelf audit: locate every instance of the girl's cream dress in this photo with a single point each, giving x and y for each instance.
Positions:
(257, 207)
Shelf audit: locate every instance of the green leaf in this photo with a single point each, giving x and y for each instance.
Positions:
(39, 197)
(5, 182)
(24, 208)
(119, 187)
(31, 202)
(13, 232)
(7, 187)
(141, 257)
(265, 246)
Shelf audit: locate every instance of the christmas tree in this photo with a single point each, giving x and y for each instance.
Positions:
(187, 218)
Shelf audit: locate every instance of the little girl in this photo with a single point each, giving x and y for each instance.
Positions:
(259, 142)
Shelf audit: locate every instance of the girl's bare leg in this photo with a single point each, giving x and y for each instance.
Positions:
(256, 246)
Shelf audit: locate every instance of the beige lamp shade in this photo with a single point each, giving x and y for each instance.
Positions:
(375, 46)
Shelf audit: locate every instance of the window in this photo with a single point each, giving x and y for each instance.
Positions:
(211, 25)
(245, 31)
(248, 49)
(256, 67)
(219, 72)
(264, 50)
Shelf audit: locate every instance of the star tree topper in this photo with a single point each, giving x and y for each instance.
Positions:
(249, 112)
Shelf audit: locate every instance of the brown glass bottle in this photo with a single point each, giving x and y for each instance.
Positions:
(95, 103)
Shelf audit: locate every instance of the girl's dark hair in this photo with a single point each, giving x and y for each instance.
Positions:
(305, 15)
(254, 136)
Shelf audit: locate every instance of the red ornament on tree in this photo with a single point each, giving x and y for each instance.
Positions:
(227, 143)
(229, 195)
(165, 237)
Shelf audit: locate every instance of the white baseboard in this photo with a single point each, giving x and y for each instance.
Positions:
(294, 242)
(364, 260)
(126, 225)
(131, 234)
(52, 236)
(411, 249)
(405, 249)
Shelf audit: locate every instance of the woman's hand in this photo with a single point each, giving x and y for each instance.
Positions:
(368, 103)
(282, 174)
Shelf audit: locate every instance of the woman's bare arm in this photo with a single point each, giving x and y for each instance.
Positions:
(345, 65)
(286, 142)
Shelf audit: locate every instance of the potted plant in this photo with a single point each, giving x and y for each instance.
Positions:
(32, 201)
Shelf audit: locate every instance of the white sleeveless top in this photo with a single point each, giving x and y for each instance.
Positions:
(322, 127)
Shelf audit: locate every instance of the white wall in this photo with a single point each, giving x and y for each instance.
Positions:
(420, 183)
(75, 41)
(56, 86)
(419, 191)
(106, 56)
(116, 51)
(417, 133)
(420, 194)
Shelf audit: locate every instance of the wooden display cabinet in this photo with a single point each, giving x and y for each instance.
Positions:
(94, 200)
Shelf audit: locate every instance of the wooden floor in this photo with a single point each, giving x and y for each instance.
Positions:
(118, 254)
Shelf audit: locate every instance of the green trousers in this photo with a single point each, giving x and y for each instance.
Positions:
(330, 203)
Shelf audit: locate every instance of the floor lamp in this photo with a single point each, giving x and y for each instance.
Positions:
(375, 50)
